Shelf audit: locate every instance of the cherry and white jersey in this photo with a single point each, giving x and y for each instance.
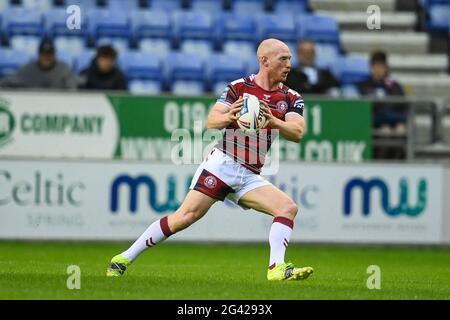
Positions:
(250, 149)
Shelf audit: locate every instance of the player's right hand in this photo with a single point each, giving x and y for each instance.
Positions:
(235, 108)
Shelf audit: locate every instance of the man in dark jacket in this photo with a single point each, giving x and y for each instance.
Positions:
(103, 74)
(44, 73)
(389, 119)
(307, 77)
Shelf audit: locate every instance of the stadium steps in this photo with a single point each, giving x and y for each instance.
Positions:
(424, 85)
(415, 63)
(391, 42)
(352, 5)
(353, 21)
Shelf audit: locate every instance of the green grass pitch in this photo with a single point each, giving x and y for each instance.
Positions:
(38, 270)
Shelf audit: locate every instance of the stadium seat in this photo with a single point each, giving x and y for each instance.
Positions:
(192, 25)
(248, 6)
(122, 5)
(439, 17)
(165, 5)
(349, 91)
(321, 29)
(207, 5)
(326, 55)
(83, 60)
(202, 48)
(11, 60)
(42, 5)
(151, 24)
(235, 27)
(187, 88)
(290, 6)
(20, 21)
(158, 47)
(151, 87)
(110, 26)
(225, 68)
(85, 5)
(184, 71)
(244, 49)
(29, 44)
(351, 69)
(139, 65)
(279, 26)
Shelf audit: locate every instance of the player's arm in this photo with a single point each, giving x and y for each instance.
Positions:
(293, 128)
(222, 115)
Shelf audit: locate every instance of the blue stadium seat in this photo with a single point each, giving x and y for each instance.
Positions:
(439, 17)
(185, 73)
(252, 65)
(213, 6)
(148, 87)
(151, 24)
(249, 7)
(109, 24)
(122, 5)
(29, 44)
(42, 5)
(294, 7)
(225, 68)
(349, 91)
(243, 49)
(326, 55)
(235, 27)
(20, 21)
(139, 65)
(158, 47)
(193, 25)
(143, 71)
(83, 60)
(351, 69)
(166, 5)
(322, 29)
(279, 26)
(202, 48)
(222, 69)
(85, 5)
(11, 60)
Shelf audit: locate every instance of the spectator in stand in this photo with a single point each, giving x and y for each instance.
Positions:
(307, 77)
(389, 119)
(103, 74)
(46, 72)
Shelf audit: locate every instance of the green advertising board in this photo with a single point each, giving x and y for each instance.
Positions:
(337, 130)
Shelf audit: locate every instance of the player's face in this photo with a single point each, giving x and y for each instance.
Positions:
(280, 65)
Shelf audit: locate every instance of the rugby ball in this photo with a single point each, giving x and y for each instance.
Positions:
(251, 117)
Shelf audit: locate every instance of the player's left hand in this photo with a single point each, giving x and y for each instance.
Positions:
(270, 118)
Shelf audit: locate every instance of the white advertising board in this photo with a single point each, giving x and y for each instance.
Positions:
(117, 200)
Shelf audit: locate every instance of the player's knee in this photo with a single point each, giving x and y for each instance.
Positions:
(291, 209)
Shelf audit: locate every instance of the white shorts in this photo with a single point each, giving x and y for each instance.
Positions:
(220, 177)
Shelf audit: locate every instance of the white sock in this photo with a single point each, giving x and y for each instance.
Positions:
(158, 231)
(279, 237)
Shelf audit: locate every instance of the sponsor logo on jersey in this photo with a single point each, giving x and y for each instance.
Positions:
(299, 104)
